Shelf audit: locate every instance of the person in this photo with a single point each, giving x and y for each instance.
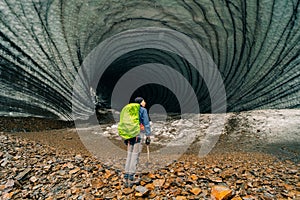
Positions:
(134, 145)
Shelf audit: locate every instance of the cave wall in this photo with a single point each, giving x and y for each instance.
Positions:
(254, 44)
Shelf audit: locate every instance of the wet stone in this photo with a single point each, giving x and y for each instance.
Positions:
(110, 195)
(2, 187)
(127, 191)
(74, 170)
(158, 182)
(10, 183)
(150, 186)
(181, 198)
(62, 172)
(78, 158)
(220, 192)
(33, 179)
(195, 191)
(249, 197)
(237, 198)
(194, 177)
(23, 174)
(141, 189)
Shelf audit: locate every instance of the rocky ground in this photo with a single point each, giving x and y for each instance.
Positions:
(54, 164)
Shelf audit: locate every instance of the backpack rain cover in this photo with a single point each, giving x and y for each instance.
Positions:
(129, 125)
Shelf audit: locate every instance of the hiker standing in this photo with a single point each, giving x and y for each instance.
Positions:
(134, 145)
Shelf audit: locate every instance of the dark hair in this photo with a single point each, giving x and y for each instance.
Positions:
(138, 100)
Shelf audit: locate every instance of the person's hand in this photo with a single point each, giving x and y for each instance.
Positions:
(148, 140)
(126, 142)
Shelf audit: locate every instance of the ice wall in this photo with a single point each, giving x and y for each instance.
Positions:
(255, 44)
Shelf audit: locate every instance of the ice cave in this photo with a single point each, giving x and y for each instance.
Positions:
(255, 46)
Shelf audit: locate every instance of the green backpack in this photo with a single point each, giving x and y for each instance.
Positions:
(129, 125)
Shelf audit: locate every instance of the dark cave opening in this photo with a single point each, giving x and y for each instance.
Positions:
(153, 93)
(158, 94)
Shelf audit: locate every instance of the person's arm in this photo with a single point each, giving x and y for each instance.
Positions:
(145, 122)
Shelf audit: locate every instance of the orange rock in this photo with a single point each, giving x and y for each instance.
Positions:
(159, 182)
(219, 192)
(127, 191)
(167, 185)
(237, 198)
(74, 170)
(151, 175)
(216, 179)
(194, 177)
(159, 176)
(152, 195)
(180, 169)
(288, 187)
(107, 174)
(227, 173)
(269, 171)
(138, 194)
(142, 183)
(75, 191)
(87, 190)
(118, 187)
(179, 180)
(180, 173)
(176, 192)
(249, 197)
(150, 186)
(8, 195)
(294, 193)
(2, 187)
(185, 193)
(180, 198)
(97, 183)
(195, 191)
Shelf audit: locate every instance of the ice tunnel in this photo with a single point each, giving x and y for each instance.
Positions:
(255, 46)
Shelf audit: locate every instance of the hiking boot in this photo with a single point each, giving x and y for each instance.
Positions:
(133, 180)
(126, 180)
(131, 177)
(126, 176)
(130, 180)
(127, 184)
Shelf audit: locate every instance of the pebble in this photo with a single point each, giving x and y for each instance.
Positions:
(23, 174)
(78, 158)
(9, 183)
(127, 191)
(158, 182)
(220, 192)
(33, 179)
(237, 198)
(195, 191)
(142, 190)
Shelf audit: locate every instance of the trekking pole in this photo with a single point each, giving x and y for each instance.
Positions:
(148, 151)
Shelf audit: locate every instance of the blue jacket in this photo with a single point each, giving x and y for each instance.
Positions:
(144, 119)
